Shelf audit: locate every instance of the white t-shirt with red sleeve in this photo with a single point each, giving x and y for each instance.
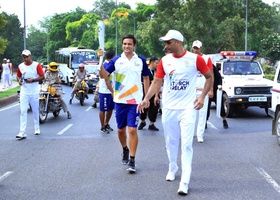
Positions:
(200, 78)
(34, 70)
(180, 74)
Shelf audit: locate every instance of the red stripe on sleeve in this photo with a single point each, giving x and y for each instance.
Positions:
(209, 64)
(40, 70)
(160, 72)
(18, 73)
(201, 65)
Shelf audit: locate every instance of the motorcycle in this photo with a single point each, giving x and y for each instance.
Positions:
(49, 101)
(80, 91)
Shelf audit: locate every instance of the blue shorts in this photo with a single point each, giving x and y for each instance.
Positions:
(126, 115)
(106, 102)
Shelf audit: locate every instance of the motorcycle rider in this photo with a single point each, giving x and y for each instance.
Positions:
(80, 75)
(53, 76)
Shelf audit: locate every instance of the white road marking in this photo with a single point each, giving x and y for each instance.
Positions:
(65, 129)
(5, 175)
(89, 108)
(212, 125)
(269, 179)
(6, 108)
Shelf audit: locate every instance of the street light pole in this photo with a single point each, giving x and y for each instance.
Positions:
(24, 28)
(246, 29)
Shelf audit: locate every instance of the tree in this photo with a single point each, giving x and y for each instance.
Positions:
(3, 41)
(36, 41)
(271, 47)
(12, 34)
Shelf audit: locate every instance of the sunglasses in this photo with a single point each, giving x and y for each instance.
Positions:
(25, 56)
(195, 48)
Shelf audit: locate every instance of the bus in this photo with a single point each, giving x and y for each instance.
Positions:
(69, 59)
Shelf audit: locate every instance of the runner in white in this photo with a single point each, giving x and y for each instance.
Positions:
(179, 72)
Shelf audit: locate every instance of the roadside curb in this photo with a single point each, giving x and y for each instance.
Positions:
(8, 100)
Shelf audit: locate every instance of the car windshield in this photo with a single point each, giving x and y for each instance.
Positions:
(85, 57)
(241, 68)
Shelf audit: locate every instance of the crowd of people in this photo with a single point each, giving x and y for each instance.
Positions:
(130, 85)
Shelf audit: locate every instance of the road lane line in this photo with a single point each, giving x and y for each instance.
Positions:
(5, 175)
(269, 179)
(212, 125)
(89, 108)
(6, 108)
(65, 129)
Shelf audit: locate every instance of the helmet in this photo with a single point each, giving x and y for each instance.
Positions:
(81, 65)
(53, 66)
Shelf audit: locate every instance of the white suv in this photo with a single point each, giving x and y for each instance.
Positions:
(243, 82)
(274, 111)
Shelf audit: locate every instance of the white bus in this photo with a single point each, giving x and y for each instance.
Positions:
(70, 58)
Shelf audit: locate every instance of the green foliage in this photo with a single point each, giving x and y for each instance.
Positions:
(9, 92)
(219, 24)
(268, 69)
(271, 47)
(11, 35)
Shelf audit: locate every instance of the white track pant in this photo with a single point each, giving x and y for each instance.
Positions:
(25, 100)
(179, 124)
(201, 118)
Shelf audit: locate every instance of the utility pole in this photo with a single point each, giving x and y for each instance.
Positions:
(24, 28)
(246, 31)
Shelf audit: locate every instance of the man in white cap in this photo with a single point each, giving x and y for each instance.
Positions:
(202, 113)
(177, 72)
(6, 73)
(29, 74)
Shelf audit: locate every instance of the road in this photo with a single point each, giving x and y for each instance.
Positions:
(71, 159)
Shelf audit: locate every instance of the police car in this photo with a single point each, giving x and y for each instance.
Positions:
(274, 111)
(243, 82)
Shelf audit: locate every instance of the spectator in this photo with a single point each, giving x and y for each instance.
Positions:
(152, 111)
(106, 98)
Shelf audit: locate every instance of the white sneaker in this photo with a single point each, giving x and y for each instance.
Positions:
(183, 188)
(171, 174)
(200, 140)
(37, 132)
(21, 135)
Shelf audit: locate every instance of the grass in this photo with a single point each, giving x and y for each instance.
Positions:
(9, 92)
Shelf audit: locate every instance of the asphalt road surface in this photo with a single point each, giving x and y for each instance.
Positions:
(72, 159)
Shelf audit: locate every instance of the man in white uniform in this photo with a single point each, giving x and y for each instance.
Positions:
(179, 71)
(29, 74)
(202, 113)
(6, 73)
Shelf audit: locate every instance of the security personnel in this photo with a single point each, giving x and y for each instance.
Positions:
(52, 76)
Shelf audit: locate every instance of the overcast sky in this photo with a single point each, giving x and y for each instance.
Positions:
(36, 10)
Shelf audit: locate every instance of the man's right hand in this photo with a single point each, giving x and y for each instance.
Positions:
(141, 106)
(100, 53)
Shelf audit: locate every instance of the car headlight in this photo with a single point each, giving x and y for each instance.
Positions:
(238, 90)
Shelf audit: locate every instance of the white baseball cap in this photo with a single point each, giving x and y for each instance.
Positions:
(5, 59)
(26, 52)
(197, 44)
(172, 34)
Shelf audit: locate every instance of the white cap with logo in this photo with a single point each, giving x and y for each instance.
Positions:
(172, 34)
(26, 52)
(197, 44)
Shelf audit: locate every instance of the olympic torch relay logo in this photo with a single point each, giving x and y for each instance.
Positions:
(171, 77)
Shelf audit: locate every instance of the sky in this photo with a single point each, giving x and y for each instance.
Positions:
(36, 10)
